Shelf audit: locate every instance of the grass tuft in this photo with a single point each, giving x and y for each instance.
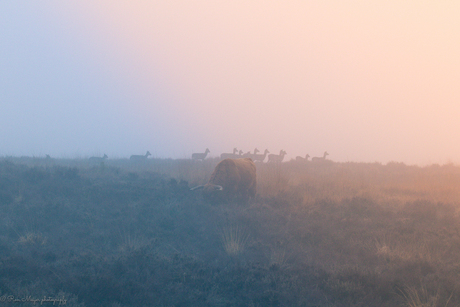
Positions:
(421, 297)
(233, 240)
(32, 239)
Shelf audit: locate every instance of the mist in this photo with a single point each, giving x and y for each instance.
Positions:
(364, 81)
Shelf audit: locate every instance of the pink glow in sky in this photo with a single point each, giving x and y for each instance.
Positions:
(365, 80)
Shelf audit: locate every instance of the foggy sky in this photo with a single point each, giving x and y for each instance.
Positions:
(365, 80)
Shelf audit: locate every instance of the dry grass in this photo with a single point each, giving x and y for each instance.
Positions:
(364, 229)
(129, 242)
(272, 179)
(279, 258)
(32, 239)
(233, 240)
(421, 297)
(393, 183)
(407, 248)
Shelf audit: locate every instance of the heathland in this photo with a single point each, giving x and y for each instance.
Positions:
(117, 233)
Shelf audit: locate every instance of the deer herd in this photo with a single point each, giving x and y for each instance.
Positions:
(255, 156)
(258, 157)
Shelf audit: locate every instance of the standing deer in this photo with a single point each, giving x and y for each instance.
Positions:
(277, 158)
(95, 159)
(260, 157)
(299, 158)
(233, 155)
(140, 157)
(250, 155)
(200, 155)
(320, 159)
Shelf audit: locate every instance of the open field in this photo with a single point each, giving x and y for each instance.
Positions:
(132, 234)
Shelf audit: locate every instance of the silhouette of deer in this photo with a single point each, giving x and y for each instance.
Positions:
(233, 155)
(200, 155)
(299, 158)
(277, 158)
(140, 157)
(94, 159)
(260, 157)
(320, 159)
